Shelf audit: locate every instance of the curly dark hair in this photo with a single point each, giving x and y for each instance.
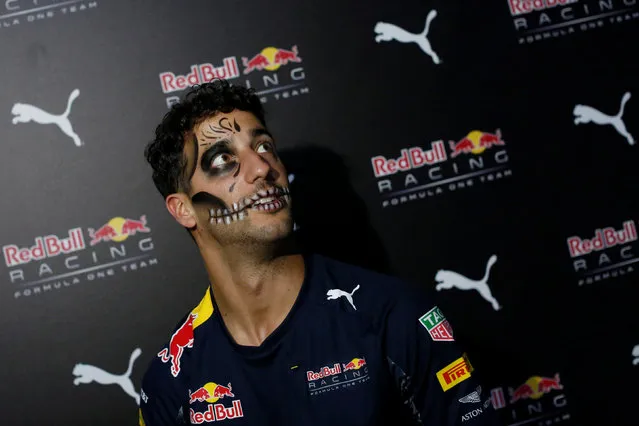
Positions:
(166, 152)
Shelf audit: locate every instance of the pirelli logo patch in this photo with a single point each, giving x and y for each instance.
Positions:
(454, 373)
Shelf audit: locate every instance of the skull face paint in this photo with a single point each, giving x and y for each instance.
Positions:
(235, 154)
(262, 200)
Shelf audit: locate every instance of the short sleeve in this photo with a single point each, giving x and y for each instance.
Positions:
(435, 378)
(162, 397)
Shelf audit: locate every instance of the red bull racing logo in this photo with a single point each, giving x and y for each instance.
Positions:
(211, 393)
(608, 254)
(63, 261)
(274, 72)
(338, 376)
(477, 158)
(540, 20)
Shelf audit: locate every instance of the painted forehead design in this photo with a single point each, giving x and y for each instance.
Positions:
(223, 128)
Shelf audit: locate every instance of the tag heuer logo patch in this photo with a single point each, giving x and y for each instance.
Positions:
(437, 326)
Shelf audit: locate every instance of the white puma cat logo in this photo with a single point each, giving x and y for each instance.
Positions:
(25, 113)
(449, 279)
(388, 32)
(635, 353)
(337, 293)
(88, 373)
(587, 114)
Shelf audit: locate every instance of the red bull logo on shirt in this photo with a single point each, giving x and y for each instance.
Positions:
(355, 364)
(478, 157)
(181, 338)
(338, 376)
(211, 393)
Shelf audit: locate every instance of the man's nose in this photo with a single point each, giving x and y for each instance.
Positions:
(255, 166)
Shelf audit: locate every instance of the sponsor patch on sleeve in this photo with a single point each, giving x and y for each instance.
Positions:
(454, 373)
(437, 325)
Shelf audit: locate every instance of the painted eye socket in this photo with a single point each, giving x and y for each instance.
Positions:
(265, 147)
(221, 160)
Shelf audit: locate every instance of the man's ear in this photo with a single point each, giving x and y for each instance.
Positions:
(181, 209)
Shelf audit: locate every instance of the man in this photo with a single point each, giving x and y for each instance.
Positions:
(282, 336)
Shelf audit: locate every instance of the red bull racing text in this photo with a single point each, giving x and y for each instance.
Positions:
(52, 262)
(477, 158)
(608, 254)
(537, 20)
(275, 73)
(200, 73)
(338, 376)
(217, 413)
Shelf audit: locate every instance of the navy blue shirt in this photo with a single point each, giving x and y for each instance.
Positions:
(357, 348)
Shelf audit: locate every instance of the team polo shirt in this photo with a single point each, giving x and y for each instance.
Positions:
(357, 348)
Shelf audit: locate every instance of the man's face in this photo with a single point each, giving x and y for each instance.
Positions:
(239, 186)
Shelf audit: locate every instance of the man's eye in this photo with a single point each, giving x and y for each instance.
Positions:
(221, 160)
(265, 147)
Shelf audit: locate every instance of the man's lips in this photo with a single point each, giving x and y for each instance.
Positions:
(264, 200)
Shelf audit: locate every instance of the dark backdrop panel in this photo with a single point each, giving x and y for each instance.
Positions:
(81, 324)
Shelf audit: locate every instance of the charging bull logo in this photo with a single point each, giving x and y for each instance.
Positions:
(182, 338)
(211, 392)
(355, 364)
(535, 387)
(118, 229)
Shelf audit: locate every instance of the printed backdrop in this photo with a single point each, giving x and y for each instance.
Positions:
(483, 150)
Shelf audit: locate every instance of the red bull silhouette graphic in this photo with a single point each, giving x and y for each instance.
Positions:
(182, 338)
(524, 391)
(257, 62)
(222, 391)
(131, 226)
(200, 395)
(118, 229)
(475, 142)
(546, 384)
(283, 57)
(104, 233)
(535, 387)
(355, 364)
(270, 59)
(211, 392)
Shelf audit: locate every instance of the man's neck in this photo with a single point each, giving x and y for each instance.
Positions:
(254, 289)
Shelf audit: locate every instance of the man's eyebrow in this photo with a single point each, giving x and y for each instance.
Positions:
(219, 143)
(259, 131)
